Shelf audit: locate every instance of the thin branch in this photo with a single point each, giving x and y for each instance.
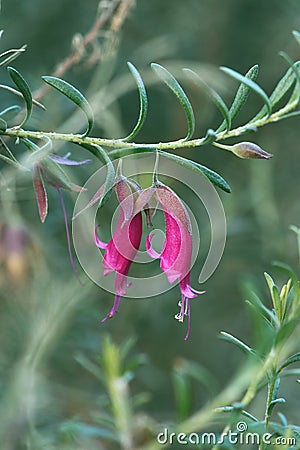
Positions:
(173, 145)
(116, 12)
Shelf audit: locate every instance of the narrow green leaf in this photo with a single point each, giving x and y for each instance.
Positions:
(291, 274)
(200, 375)
(183, 396)
(10, 112)
(176, 88)
(10, 161)
(233, 340)
(276, 301)
(4, 147)
(3, 125)
(214, 96)
(143, 102)
(14, 91)
(232, 408)
(240, 97)
(251, 84)
(89, 365)
(11, 55)
(291, 360)
(270, 282)
(256, 308)
(209, 137)
(296, 35)
(286, 330)
(75, 96)
(276, 388)
(274, 403)
(25, 91)
(101, 154)
(214, 177)
(280, 91)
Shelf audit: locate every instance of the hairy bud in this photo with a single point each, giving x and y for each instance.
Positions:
(250, 150)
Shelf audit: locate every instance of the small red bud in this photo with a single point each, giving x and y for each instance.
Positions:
(249, 150)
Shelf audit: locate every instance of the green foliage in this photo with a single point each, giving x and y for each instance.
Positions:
(124, 404)
(143, 102)
(75, 96)
(25, 91)
(173, 84)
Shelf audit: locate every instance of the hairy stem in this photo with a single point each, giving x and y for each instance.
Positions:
(172, 145)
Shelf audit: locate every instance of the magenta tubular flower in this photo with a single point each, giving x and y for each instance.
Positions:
(124, 244)
(176, 254)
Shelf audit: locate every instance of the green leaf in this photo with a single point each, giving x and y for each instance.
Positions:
(214, 177)
(251, 84)
(200, 374)
(289, 361)
(4, 147)
(296, 35)
(274, 403)
(25, 91)
(143, 102)
(286, 330)
(241, 96)
(15, 92)
(176, 88)
(233, 340)
(183, 396)
(11, 55)
(277, 302)
(214, 96)
(291, 274)
(279, 91)
(3, 125)
(101, 154)
(209, 137)
(75, 96)
(89, 365)
(10, 161)
(10, 112)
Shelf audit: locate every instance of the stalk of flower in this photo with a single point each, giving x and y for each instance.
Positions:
(48, 171)
(122, 248)
(176, 255)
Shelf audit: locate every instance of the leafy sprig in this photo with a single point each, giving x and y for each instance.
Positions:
(271, 111)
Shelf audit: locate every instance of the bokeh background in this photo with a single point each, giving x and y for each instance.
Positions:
(48, 323)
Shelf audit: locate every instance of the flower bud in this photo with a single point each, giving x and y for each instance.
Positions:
(249, 150)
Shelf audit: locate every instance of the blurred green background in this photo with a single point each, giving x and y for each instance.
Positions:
(264, 201)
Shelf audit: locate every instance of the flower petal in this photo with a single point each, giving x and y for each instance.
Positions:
(114, 308)
(186, 288)
(97, 241)
(64, 160)
(172, 205)
(125, 198)
(151, 252)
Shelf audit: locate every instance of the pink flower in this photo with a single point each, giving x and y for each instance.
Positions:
(176, 254)
(124, 244)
